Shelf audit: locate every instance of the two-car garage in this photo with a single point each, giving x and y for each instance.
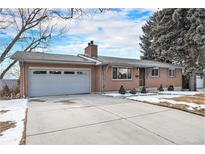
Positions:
(49, 81)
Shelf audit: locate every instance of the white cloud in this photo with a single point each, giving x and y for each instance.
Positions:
(119, 35)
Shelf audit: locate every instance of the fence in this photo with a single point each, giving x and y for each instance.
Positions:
(12, 84)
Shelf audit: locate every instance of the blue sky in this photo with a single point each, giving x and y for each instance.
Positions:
(115, 32)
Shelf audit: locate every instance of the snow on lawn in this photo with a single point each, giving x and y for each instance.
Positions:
(179, 93)
(201, 90)
(166, 98)
(116, 94)
(185, 93)
(16, 113)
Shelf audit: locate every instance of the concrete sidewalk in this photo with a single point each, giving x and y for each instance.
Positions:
(97, 119)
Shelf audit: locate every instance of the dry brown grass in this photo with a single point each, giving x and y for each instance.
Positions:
(6, 125)
(198, 99)
(200, 95)
(183, 107)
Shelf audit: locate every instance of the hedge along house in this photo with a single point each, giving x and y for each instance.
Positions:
(43, 74)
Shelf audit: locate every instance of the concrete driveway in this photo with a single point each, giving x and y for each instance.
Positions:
(97, 119)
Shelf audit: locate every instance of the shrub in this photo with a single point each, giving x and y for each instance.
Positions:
(5, 91)
(133, 91)
(170, 88)
(122, 90)
(16, 90)
(161, 88)
(143, 90)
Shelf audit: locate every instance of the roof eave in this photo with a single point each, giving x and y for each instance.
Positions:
(139, 65)
(57, 62)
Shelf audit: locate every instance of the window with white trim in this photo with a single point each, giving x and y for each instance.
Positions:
(39, 72)
(81, 73)
(171, 72)
(121, 73)
(55, 72)
(155, 72)
(69, 72)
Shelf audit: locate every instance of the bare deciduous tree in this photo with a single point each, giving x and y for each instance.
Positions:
(33, 28)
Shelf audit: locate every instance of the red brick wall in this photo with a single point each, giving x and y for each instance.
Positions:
(106, 83)
(91, 50)
(164, 79)
(21, 80)
(93, 72)
(110, 84)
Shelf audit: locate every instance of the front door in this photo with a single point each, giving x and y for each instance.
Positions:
(142, 76)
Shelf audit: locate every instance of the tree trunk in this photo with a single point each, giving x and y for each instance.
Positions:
(7, 69)
(192, 82)
(11, 44)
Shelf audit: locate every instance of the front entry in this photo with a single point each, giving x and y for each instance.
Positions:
(141, 76)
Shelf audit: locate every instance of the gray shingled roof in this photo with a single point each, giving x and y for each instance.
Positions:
(47, 57)
(134, 62)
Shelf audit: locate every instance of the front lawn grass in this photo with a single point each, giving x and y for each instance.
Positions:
(183, 107)
(198, 99)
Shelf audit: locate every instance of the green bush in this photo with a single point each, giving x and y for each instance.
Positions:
(161, 88)
(133, 91)
(122, 90)
(143, 90)
(170, 88)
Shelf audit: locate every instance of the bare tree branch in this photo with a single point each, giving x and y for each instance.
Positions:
(34, 27)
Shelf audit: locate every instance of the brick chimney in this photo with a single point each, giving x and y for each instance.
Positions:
(91, 50)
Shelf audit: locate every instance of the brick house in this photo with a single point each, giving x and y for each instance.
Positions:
(43, 74)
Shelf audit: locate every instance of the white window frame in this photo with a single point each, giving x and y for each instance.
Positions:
(61, 72)
(155, 68)
(33, 72)
(174, 72)
(122, 68)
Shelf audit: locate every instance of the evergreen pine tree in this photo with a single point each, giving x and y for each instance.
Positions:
(176, 36)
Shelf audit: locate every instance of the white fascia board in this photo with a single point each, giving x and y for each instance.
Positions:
(91, 59)
(59, 62)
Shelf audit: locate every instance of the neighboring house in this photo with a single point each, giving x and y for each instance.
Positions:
(200, 81)
(43, 74)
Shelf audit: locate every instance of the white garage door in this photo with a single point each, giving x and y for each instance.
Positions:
(199, 82)
(58, 82)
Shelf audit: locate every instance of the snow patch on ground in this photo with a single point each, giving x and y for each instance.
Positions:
(116, 94)
(16, 113)
(179, 93)
(166, 98)
(201, 90)
(185, 93)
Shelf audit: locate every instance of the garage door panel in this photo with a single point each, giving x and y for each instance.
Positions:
(58, 84)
